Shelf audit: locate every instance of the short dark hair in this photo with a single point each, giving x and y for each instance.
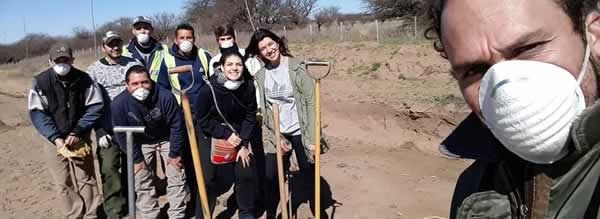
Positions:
(224, 30)
(135, 69)
(259, 35)
(185, 26)
(575, 9)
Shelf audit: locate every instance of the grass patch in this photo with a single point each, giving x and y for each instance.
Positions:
(375, 66)
(448, 99)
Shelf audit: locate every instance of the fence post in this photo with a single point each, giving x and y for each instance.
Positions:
(415, 22)
(311, 32)
(377, 29)
(341, 31)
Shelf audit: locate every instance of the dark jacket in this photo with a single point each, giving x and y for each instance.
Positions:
(60, 107)
(499, 184)
(238, 107)
(131, 51)
(160, 114)
(184, 79)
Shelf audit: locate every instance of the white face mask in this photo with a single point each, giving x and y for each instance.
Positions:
(530, 106)
(186, 46)
(61, 69)
(141, 94)
(232, 85)
(227, 44)
(142, 38)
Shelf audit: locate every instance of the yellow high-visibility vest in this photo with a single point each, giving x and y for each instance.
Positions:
(173, 78)
(156, 60)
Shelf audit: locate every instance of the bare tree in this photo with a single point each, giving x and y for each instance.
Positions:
(121, 25)
(267, 12)
(164, 24)
(264, 13)
(385, 9)
(82, 33)
(204, 14)
(326, 15)
(297, 11)
(195, 9)
(82, 38)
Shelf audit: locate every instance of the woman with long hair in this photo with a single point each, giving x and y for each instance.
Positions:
(283, 81)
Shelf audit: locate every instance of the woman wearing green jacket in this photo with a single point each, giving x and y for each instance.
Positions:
(283, 81)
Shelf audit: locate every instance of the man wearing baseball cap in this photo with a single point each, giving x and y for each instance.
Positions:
(144, 47)
(64, 104)
(109, 72)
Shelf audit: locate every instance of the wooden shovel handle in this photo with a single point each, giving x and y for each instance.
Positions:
(282, 195)
(180, 69)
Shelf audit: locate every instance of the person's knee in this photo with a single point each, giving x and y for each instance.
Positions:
(245, 173)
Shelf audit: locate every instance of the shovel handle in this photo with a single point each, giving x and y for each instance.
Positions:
(189, 123)
(282, 196)
(180, 69)
(317, 63)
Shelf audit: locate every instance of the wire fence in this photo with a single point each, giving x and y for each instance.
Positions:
(405, 30)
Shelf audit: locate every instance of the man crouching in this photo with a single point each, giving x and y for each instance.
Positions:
(144, 104)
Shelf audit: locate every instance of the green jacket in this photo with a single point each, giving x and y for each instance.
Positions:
(304, 93)
(569, 188)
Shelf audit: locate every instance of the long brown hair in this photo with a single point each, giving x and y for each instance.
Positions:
(259, 35)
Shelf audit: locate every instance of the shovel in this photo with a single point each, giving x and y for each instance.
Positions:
(185, 103)
(129, 130)
(314, 62)
(282, 198)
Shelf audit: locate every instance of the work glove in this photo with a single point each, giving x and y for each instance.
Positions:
(80, 150)
(105, 141)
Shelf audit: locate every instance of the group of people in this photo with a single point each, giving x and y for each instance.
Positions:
(532, 85)
(231, 96)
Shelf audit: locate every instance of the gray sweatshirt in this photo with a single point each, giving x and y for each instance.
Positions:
(111, 76)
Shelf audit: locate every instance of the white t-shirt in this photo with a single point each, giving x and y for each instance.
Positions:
(278, 89)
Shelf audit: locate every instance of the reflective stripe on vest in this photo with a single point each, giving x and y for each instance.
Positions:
(125, 52)
(156, 60)
(173, 78)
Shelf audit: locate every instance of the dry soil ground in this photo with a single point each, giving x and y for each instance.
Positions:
(386, 107)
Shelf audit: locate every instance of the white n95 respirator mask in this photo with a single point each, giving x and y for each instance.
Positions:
(530, 106)
(186, 46)
(61, 69)
(141, 94)
(227, 44)
(143, 38)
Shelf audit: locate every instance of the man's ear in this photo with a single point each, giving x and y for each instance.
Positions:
(592, 29)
